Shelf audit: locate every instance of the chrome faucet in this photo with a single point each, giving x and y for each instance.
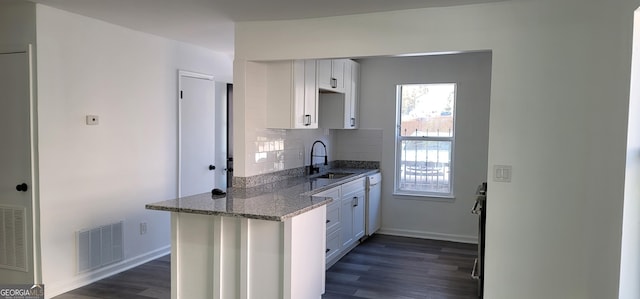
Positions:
(312, 169)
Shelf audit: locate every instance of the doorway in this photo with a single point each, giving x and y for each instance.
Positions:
(196, 134)
(229, 136)
(17, 196)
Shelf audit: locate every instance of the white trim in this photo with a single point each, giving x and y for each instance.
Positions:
(426, 196)
(428, 235)
(36, 258)
(399, 138)
(181, 74)
(175, 237)
(84, 279)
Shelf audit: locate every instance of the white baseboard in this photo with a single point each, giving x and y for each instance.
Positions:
(428, 235)
(83, 279)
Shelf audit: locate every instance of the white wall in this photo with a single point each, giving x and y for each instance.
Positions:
(559, 100)
(435, 218)
(363, 144)
(94, 175)
(630, 257)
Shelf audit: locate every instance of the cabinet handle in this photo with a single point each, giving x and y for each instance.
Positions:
(355, 201)
(353, 121)
(327, 250)
(334, 83)
(328, 220)
(307, 119)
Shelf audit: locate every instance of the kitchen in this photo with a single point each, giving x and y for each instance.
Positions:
(470, 71)
(517, 74)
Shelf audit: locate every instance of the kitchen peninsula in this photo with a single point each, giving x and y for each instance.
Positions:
(266, 241)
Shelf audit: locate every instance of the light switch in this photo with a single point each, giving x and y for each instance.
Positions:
(92, 120)
(502, 173)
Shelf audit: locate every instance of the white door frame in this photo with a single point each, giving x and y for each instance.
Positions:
(35, 258)
(181, 74)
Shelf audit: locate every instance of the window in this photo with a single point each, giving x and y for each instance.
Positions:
(425, 139)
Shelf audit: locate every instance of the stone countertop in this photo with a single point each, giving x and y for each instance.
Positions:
(275, 201)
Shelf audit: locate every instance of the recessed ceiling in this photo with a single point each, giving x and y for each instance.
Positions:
(210, 23)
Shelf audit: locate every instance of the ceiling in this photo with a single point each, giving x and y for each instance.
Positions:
(210, 23)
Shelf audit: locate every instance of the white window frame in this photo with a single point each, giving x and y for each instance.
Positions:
(398, 152)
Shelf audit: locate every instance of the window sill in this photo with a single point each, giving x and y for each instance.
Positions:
(426, 197)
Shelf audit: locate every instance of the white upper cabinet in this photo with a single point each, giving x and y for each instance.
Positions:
(340, 110)
(352, 96)
(292, 94)
(331, 75)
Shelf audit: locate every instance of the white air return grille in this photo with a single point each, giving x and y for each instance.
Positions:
(100, 246)
(13, 242)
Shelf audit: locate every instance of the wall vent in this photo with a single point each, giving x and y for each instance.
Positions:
(100, 246)
(13, 242)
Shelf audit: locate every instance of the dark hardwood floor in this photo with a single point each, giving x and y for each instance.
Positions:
(149, 280)
(381, 267)
(398, 267)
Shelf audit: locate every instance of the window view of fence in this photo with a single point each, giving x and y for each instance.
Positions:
(425, 138)
(425, 166)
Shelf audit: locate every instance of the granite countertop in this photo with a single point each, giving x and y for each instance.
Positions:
(275, 201)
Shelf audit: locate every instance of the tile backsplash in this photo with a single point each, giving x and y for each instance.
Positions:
(276, 153)
(273, 150)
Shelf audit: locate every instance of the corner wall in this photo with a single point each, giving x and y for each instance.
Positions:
(95, 175)
(559, 98)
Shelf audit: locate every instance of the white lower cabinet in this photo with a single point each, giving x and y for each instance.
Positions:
(358, 215)
(347, 222)
(352, 212)
(345, 219)
(333, 245)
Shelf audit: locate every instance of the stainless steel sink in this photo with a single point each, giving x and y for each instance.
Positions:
(333, 175)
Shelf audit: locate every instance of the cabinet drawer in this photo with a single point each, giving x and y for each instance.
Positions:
(333, 216)
(353, 187)
(333, 245)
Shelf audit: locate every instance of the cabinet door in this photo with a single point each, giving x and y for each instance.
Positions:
(298, 92)
(331, 74)
(338, 73)
(310, 94)
(292, 93)
(324, 74)
(351, 96)
(333, 209)
(358, 216)
(304, 99)
(333, 247)
(346, 221)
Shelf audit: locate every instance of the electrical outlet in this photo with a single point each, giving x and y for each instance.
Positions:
(143, 228)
